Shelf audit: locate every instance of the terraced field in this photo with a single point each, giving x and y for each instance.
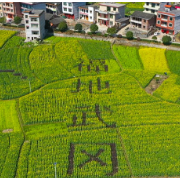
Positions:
(72, 105)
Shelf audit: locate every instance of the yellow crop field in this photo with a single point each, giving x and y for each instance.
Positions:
(154, 59)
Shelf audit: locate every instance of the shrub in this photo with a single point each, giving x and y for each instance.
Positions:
(62, 26)
(166, 40)
(78, 27)
(89, 33)
(93, 28)
(138, 38)
(99, 34)
(105, 35)
(2, 20)
(129, 35)
(154, 38)
(17, 20)
(83, 32)
(119, 36)
(112, 30)
(69, 32)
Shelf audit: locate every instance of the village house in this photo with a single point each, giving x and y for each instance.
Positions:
(109, 13)
(168, 19)
(153, 7)
(88, 13)
(142, 20)
(32, 5)
(54, 8)
(34, 24)
(10, 10)
(71, 9)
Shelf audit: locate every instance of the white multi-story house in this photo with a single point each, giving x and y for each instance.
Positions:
(34, 24)
(88, 13)
(71, 9)
(153, 7)
(109, 14)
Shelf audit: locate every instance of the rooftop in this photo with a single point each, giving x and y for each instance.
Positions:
(140, 14)
(34, 12)
(85, 7)
(112, 4)
(31, 2)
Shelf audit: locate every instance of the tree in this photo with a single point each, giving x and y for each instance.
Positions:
(166, 40)
(2, 20)
(154, 38)
(129, 35)
(111, 30)
(78, 27)
(62, 26)
(93, 28)
(17, 20)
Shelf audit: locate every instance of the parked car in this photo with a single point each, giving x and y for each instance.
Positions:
(156, 33)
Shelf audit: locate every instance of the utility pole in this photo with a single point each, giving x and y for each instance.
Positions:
(55, 169)
(29, 86)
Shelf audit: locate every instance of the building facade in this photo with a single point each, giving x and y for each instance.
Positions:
(34, 24)
(109, 13)
(1, 9)
(11, 10)
(32, 5)
(71, 9)
(88, 13)
(54, 8)
(143, 21)
(153, 7)
(168, 20)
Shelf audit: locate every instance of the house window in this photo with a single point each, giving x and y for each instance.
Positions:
(108, 8)
(90, 17)
(26, 16)
(159, 16)
(70, 10)
(153, 5)
(147, 4)
(70, 4)
(111, 16)
(27, 21)
(158, 22)
(144, 27)
(111, 23)
(152, 11)
(35, 32)
(0, 8)
(34, 25)
(170, 24)
(114, 9)
(65, 4)
(27, 27)
(170, 18)
(11, 10)
(144, 20)
(65, 9)
(91, 12)
(33, 19)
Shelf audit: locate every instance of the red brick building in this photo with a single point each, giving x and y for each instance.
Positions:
(168, 20)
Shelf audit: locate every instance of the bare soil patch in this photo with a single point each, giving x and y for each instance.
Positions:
(7, 131)
(155, 83)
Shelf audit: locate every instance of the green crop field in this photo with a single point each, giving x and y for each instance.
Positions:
(80, 107)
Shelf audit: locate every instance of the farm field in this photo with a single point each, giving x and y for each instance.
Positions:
(80, 106)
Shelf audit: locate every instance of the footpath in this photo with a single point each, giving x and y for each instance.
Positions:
(120, 41)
